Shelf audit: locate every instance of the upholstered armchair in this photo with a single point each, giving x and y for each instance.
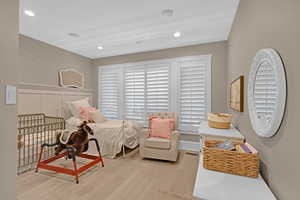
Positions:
(160, 148)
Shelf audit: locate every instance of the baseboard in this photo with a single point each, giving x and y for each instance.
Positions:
(189, 145)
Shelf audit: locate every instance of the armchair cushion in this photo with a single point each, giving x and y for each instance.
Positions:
(157, 143)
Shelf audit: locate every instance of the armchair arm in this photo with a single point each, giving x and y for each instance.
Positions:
(175, 139)
(175, 135)
(143, 135)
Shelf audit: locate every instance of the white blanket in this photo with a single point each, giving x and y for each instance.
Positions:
(111, 136)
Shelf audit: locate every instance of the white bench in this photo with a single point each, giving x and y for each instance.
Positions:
(212, 185)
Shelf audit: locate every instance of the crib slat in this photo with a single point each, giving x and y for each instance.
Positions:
(33, 130)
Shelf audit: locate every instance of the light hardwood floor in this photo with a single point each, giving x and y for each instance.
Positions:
(129, 178)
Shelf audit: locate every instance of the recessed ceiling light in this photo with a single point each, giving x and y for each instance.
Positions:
(100, 47)
(167, 12)
(177, 34)
(29, 13)
(73, 34)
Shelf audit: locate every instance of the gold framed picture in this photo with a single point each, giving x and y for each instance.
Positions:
(237, 94)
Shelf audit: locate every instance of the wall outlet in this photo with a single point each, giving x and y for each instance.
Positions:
(11, 95)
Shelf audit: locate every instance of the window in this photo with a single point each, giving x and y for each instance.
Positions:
(194, 101)
(135, 94)
(157, 90)
(182, 85)
(146, 90)
(109, 92)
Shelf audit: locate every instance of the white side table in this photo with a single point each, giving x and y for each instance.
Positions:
(207, 132)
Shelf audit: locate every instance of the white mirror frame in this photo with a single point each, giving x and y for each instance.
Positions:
(267, 92)
(76, 82)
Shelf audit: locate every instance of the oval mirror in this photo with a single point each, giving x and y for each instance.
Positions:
(266, 92)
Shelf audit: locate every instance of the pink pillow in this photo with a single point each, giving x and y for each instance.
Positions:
(161, 127)
(85, 113)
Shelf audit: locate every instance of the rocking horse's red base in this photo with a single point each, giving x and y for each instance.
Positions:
(73, 172)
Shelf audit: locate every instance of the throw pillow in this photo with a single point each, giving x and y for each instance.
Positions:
(74, 106)
(161, 128)
(84, 113)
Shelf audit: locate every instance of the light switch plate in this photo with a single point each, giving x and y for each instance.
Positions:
(11, 95)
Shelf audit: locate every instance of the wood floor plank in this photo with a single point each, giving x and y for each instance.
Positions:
(123, 178)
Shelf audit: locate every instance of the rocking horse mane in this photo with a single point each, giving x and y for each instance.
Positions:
(85, 128)
(77, 139)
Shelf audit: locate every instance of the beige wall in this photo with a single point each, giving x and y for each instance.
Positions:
(40, 62)
(219, 65)
(271, 23)
(9, 17)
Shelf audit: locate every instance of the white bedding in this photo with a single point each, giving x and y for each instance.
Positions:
(111, 136)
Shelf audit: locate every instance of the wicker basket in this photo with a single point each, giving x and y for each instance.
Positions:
(219, 120)
(233, 162)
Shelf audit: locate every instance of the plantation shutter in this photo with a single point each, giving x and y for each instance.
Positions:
(135, 94)
(109, 93)
(181, 85)
(157, 88)
(193, 98)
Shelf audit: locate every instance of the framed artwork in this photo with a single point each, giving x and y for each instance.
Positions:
(237, 94)
(71, 78)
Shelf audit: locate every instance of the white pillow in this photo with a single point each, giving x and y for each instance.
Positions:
(97, 116)
(73, 123)
(74, 106)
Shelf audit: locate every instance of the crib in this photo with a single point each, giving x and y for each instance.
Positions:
(33, 131)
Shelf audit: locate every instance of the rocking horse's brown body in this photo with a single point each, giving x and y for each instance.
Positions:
(79, 139)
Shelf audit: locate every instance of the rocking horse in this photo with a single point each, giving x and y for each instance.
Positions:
(78, 139)
(72, 144)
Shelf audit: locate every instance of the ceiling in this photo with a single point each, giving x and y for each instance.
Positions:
(124, 27)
